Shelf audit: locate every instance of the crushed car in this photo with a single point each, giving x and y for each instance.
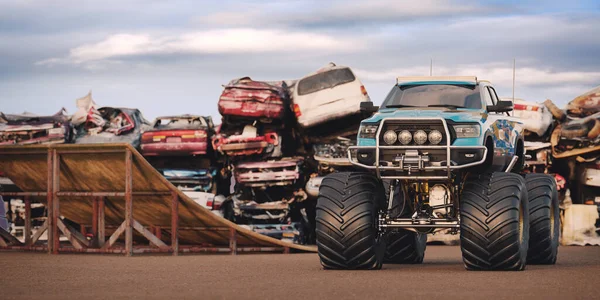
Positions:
(246, 142)
(254, 118)
(117, 125)
(29, 129)
(246, 99)
(97, 125)
(178, 135)
(327, 103)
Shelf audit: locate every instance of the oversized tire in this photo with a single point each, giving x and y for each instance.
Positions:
(402, 246)
(544, 219)
(571, 131)
(347, 221)
(405, 247)
(494, 229)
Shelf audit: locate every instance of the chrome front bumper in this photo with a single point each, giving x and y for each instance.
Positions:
(414, 159)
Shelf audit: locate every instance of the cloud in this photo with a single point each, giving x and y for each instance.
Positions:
(500, 75)
(222, 41)
(346, 13)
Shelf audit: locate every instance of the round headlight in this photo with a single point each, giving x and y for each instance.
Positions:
(435, 137)
(420, 137)
(405, 137)
(390, 137)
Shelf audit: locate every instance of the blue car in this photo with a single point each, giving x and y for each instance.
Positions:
(439, 154)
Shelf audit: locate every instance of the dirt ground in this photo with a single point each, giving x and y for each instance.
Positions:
(294, 276)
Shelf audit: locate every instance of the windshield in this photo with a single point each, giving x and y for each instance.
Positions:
(434, 95)
(324, 80)
(183, 123)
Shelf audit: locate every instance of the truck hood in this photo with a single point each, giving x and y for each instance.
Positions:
(461, 115)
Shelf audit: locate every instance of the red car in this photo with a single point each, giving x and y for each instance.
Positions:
(178, 135)
(245, 144)
(245, 98)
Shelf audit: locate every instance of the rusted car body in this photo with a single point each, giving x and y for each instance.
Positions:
(576, 137)
(198, 180)
(248, 142)
(586, 104)
(270, 173)
(31, 129)
(178, 135)
(536, 118)
(245, 98)
(117, 125)
(331, 156)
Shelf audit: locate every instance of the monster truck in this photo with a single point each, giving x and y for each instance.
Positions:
(441, 153)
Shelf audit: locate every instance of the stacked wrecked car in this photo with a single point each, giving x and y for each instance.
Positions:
(566, 142)
(280, 138)
(261, 167)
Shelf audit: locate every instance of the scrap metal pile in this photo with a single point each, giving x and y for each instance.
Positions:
(261, 167)
(566, 143)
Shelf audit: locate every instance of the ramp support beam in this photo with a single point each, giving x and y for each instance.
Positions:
(128, 205)
(27, 233)
(174, 224)
(233, 241)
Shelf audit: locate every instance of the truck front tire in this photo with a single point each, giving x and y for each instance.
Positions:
(494, 229)
(347, 218)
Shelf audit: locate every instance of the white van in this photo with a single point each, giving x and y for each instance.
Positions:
(331, 93)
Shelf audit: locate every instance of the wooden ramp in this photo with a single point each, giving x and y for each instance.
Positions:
(111, 191)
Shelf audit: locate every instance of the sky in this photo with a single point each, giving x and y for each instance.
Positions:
(172, 57)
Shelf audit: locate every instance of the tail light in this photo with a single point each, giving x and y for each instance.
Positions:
(526, 107)
(214, 204)
(363, 90)
(297, 111)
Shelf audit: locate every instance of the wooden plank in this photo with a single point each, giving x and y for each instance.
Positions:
(27, 232)
(148, 235)
(101, 236)
(49, 202)
(115, 236)
(175, 223)
(68, 234)
(128, 205)
(3, 243)
(38, 233)
(55, 202)
(8, 238)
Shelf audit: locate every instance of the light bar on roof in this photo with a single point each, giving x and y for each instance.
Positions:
(432, 79)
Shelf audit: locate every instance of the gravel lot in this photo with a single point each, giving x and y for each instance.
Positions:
(295, 276)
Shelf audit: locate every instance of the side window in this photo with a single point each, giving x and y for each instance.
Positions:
(493, 94)
(487, 97)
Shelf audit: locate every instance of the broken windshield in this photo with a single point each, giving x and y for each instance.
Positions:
(325, 80)
(434, 95)
(179, 123)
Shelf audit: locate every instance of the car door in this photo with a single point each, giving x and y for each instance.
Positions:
(506, 133)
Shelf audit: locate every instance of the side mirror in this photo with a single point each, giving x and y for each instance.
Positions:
(368, 107)
(501, 106)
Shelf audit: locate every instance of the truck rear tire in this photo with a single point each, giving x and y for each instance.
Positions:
(347, 221)
(544, 220)
(405, 247)
(494, 229)
(402, 246)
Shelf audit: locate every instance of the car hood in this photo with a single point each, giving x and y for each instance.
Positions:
(462, 115)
